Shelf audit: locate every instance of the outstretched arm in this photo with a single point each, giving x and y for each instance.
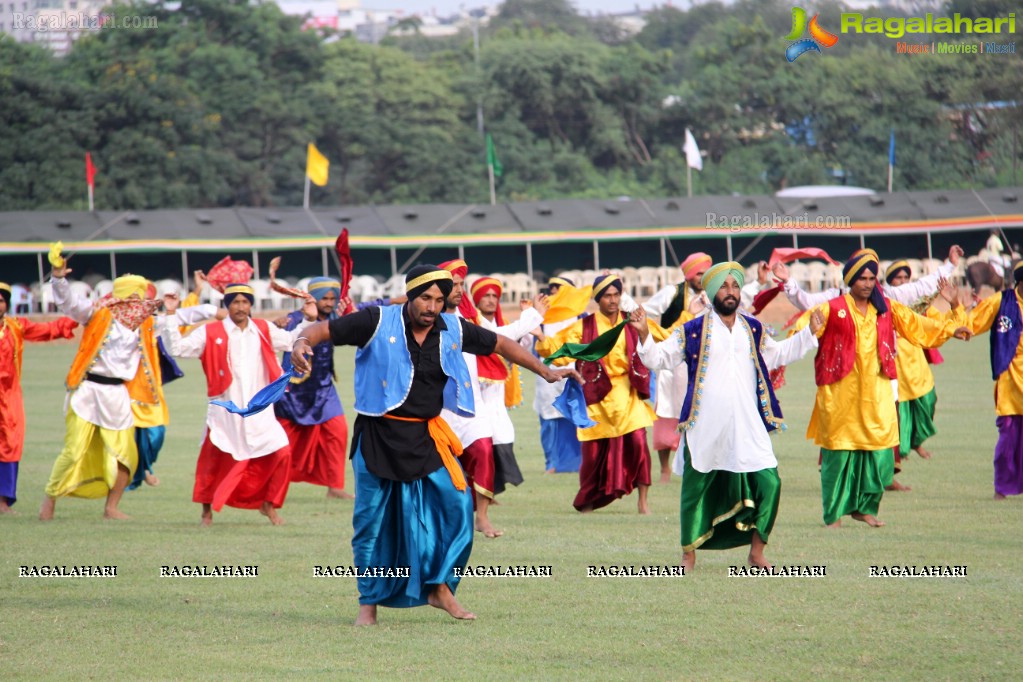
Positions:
(513, 352)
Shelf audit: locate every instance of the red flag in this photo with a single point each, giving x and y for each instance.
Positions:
(344, 254)
(761, 300)
(90, 171)
(789, 255)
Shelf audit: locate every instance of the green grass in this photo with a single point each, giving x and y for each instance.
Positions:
(703, 626)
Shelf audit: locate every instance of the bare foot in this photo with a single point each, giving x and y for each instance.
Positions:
(152, 480)
(207, 515)
(868, 519)
(643, 507)
(587, 509)
(759, 561)
(551, 471)
(998, 496)
(925, 454)
(367, 615)
(442, 598)
(46, 509)
(665, 477)
(484, 526)
(898, 487)
(756, 552)
(340, 494)
(6, 508)
(688, 562)
(836, 524)
(267, 510)
(114, 514)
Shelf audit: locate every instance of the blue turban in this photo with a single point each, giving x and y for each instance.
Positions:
(231, 291)
(854, 267)
(602, 282)
(321, 286)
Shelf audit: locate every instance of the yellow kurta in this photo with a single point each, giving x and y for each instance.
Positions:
(1009, 386)
(915, 376)
(621, 411)
(858, 411)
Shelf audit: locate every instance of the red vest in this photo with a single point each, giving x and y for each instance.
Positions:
(217, 365)
(639, 375)
(836, 354)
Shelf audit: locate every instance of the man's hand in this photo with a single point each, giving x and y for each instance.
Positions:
(540, 302)
(553, 376)
(199, 281)
(698, 303)
(963, 333)
(62, 271)
(281, 322)
(171, 302)
(221, 313)
(781, 272)
(954, 254)
(637, 320)
(309, 309)
(763, 272)
(816, 321)
(948, 291)
(300, 355)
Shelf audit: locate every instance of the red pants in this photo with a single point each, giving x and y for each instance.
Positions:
(478, 462)
(221, 480)
(318, 451)
(611, 468)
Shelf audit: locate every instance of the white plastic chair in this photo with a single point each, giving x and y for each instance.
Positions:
(103, 287)
(82, 290)
(46, 298)
(20, 298)
(260, 292)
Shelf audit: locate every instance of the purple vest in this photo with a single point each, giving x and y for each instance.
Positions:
(1005, 334)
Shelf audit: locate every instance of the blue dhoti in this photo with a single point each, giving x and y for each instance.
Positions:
(149, 441)
(424, 525)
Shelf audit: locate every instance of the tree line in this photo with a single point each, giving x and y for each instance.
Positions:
(216, 105)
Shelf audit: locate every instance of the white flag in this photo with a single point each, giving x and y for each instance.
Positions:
(693, 158)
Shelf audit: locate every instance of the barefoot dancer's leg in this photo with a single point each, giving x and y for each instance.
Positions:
(207, 515)
(664, 456)
(114, 496)
(367, 614)
(483, 524)
(756, 552)
(442, 598)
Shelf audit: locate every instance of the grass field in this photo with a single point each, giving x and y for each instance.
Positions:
(285, 622)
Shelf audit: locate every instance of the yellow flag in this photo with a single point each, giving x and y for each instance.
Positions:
(55, 257)
(316, 166)
(569, 302)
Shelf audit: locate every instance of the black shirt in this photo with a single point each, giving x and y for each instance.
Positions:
(399, 450)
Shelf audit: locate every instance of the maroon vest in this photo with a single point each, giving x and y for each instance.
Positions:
(639, 375)
(836, 354)
(215, 362)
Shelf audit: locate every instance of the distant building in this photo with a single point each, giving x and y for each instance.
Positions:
(55, 24)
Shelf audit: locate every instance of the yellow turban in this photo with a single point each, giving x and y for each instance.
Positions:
(128, 285)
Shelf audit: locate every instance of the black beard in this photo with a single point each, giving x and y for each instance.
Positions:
(725, 307)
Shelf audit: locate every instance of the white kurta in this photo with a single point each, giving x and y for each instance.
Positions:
(105, 405)
(906, 294)
(492, 392)
(248, 437)
(729, 434)
(546, 394)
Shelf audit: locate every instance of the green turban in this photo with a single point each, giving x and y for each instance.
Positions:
(714, 278)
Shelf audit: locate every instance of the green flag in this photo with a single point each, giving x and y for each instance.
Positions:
(492, 158)
(594, 350)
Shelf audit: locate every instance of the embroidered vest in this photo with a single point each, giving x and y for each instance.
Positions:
(142, 387)
(383, 367)
(696, 337)
(217, 364)
(639, 374)
(836, 354)
(1005, 334)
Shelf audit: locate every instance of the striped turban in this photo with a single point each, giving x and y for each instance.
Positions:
(715, 278)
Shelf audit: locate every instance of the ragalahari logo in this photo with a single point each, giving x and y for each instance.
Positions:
(818, 36)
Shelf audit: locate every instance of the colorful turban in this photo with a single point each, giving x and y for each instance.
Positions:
(602, 282)
(233, 291)
(483, 286)
(895, 268)
(422, 277)
(5, 292)
(560, 282)
(855, 267)
(321, 286)
(862, 252)
(127, 286)
(455, 267)
(691, 265)
(1017, 272)
(715, 277)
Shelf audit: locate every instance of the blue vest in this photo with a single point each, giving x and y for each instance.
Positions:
(697, 339)
(1005, 334)
(383, 367)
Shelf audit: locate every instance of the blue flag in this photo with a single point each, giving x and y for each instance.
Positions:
(266, 397)
(572, 405)
(891, 148)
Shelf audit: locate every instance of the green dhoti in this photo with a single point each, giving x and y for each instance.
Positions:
(722, 509)
(916, 422)
(854, 481)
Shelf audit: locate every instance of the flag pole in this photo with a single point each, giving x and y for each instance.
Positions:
(493, 192)
(890, 178)
(689, 181)
(90, 199)
(305, 200)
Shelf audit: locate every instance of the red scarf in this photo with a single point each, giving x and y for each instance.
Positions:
(130, 312)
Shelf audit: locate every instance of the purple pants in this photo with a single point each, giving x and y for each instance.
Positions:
(1009, 455)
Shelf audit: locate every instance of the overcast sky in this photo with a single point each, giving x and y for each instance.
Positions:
(448, 7)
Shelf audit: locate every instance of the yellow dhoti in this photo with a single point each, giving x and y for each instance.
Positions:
(87, 466)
